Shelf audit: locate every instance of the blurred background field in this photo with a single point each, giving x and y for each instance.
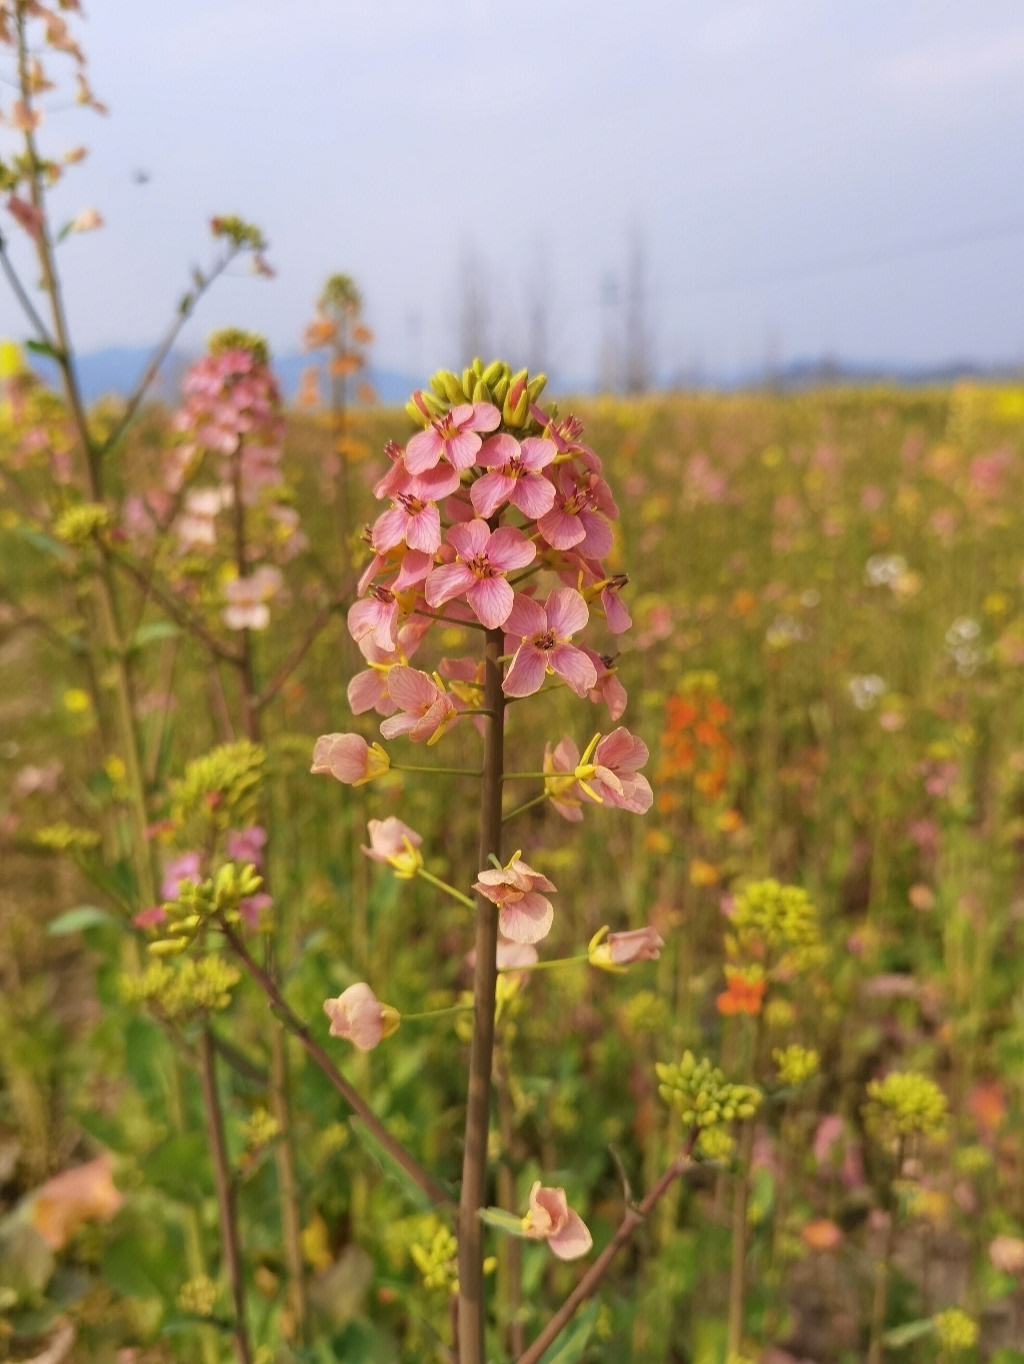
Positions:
(827, 660)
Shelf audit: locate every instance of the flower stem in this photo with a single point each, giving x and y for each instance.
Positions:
(436, 771)
(472, 1308)
(225, 1196)
(526, 805)
(437, 1013)
(545, 965)
(425, 875)
(588, 1284)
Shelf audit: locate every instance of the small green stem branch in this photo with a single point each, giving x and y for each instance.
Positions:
(883, 1272)
(225, 1196)
(472, 1313)
(545, 965)
(433, 880)
(526, 805)
(437, 1013)
(289, 1019)
(437, 771)
(591, 1280)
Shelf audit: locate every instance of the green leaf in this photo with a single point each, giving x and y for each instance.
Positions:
(180, 1167)
(390, 1167)
(75, 920)
(43, 348)
(132, 1265)
(152, 632)
(505, 1222)
(908, 1333)
(38, 539)
(569, 1347)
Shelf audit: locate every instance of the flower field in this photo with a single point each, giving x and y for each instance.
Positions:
(800, 1017)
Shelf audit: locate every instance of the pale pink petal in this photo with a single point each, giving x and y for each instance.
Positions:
(566, 611)
(573, 667)
(423, 451)
(447, 581)
(571, 1240)
(410, 688)
(366, 690)
(485, 417)
(491, 599)
(470, 538)
(461, 450)
(561, 530)
(415, 567)
(498, 451)
(527, 617)
(599, 536)
(527, 673)
(433, 484)
(389, 530)
(423, 531)
(526, 920)
(489, 492)
(533, 495)
(509, 548)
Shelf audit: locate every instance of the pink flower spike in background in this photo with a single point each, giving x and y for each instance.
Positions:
(484, 556)
(247, 598)
(426, 709)
(544, 634)
(551, 1219)
(349, 758)
(360, 1018)
(524, 915)
(616, 951)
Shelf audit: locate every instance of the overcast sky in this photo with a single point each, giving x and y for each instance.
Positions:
(799, 177)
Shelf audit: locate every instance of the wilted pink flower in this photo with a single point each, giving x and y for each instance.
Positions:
(247, 598)
(30, 218)
(368, 690)
(426, 708)
(376, 616)
(561, 787)
(615, 779)
(452, 437)
(86, 221)
(360, 1018)
(514, 476)
(484, 556)
(616, 951)
(544, 634)
(551, 1219)
(524, 915)
(395, 845)
(349, 758)
(607, 688)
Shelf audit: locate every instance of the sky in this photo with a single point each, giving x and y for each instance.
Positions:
(759, 180)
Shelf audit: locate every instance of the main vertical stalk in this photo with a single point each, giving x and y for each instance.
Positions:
(472, 1309)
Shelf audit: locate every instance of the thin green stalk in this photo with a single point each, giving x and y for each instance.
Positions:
(437, 771)
(225, 1197)
(472, 1313)
(436, 1013)
(425, 875)
(526, 805)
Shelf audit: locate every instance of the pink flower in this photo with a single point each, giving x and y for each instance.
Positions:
(524, 916)
(183, 868)
(368, 690)
(152, 917)
(616, 951)
(416, 523)
(247, 599)
(544, 634)
(514, 476)
(561, 787)
(572, 522)
(247, 845)
(607, 688)
(395, 845)
(360, 1018)
(484, 556)
(614, 778)
(427, 709)
(551, 1219)
(349, 758)
(376, 616)
(452, 437)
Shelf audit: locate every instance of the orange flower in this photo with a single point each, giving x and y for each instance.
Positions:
(744, 993)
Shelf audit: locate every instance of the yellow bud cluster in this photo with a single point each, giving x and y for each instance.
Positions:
(217, 898)
(955, 1330)
(904, 1104)
(702, 1094)
(234, 338)
(795, 1064)
(260, 1129)
(199, 1296)
(780, 919)
(437, 1260)
(714, 1143)
(512, 394)
(77, 525)
(218, 791)
(66, 838)
(191, 987)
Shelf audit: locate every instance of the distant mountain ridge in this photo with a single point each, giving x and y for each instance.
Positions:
(116, 369)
